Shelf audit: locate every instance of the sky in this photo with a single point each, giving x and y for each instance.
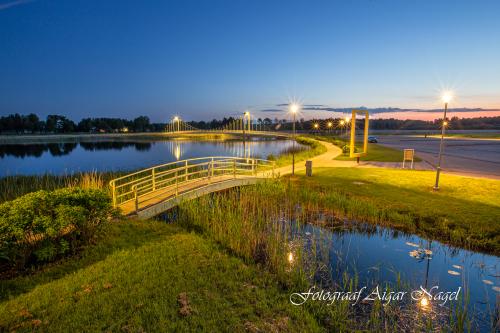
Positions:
(206, 59)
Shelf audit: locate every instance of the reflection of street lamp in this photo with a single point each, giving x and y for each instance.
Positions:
(447, 97)
(294, 108)
(176, 119)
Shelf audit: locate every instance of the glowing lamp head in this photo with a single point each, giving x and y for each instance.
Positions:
(342, 122)
(445, 123)
(294, 108)
(247, 113)
(447, 97)
(346, 119)
(316, 125)
(176, 118)
(329, 124)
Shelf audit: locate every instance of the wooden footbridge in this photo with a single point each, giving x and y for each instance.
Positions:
(151, 191)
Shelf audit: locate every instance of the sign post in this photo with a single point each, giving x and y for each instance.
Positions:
(408, 155)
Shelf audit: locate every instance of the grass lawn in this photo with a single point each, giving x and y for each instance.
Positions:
(150, 276)
(465, 212)
(378, 153)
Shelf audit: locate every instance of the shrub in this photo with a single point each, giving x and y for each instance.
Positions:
(41, 226)
(346, 149)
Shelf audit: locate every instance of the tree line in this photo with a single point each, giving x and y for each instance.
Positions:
(31, 123)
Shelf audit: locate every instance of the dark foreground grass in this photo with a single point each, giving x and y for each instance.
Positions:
(465, 211)
(150, 276)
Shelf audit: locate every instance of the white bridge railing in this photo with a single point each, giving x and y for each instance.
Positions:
(166, 179)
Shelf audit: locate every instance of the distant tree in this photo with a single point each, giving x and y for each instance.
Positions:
(141, 124)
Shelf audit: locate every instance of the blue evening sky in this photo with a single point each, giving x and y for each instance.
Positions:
(205, 59)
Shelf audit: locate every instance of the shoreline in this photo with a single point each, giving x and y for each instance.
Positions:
(71, 137)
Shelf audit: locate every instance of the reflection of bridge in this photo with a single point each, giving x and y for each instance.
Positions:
(152, 191)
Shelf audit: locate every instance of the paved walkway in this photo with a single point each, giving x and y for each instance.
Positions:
(327, 160)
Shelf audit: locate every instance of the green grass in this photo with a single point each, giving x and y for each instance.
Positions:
(314, 148)
(376, 152)
(132, 279)
(464, 212)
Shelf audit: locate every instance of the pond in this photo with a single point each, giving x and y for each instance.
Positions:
(113, 155)
(379, 256)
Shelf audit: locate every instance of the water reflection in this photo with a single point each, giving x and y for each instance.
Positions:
(113, 155)
(376, 256)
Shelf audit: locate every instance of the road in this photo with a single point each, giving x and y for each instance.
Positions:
(473, 157)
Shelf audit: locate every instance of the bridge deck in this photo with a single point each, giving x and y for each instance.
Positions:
(200, 185)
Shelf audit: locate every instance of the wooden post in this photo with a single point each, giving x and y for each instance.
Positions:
(186, 170)
(154, 180)
(234, 168)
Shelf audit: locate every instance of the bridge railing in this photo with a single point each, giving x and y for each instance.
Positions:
(172, 176)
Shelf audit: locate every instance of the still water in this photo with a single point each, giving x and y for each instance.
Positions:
(382, 256)
(98, 155)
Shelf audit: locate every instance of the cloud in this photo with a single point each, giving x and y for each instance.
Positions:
(271, 110)
(14, 3)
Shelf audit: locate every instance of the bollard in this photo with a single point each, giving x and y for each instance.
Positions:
(309, 168)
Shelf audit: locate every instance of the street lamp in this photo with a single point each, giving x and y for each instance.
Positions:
(342, 122)
(294, 108)
(176, 119)
(446, 98)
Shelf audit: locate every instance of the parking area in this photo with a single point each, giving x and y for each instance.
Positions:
(475, 157)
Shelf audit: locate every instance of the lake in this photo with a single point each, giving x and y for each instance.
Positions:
(386, 257)
(119, 154)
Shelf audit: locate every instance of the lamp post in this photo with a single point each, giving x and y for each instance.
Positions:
(246, 114)
(329, 125)
(342, 122)
(176, 119)
(446, 99)
(294, 108)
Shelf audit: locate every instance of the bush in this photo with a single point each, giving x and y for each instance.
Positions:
(346, 149)
(41, 226)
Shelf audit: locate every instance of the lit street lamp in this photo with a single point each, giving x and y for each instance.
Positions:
(342, 122)
(176, 119)
(294, 108)
(446, 99)
(245, 115)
